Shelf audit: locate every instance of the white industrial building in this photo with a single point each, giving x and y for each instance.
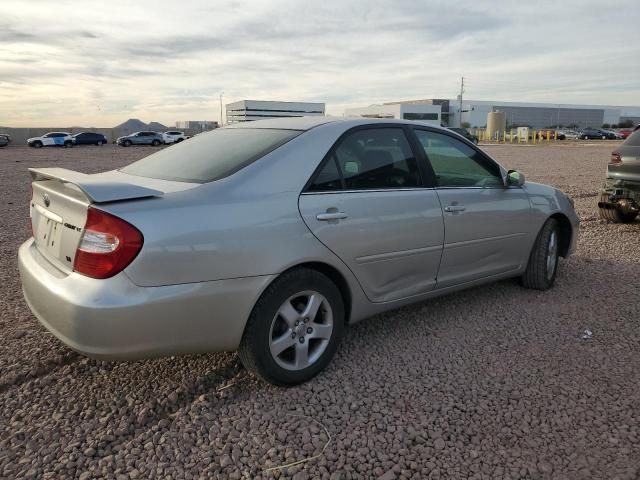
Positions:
(406, 111)
(536, 115)
(247, 110)
(197, 124)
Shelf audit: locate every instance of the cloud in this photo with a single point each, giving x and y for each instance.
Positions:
(170, 61)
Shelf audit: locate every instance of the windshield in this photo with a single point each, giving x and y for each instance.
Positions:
(211, 156)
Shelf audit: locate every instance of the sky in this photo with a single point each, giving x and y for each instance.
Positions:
(85, 63)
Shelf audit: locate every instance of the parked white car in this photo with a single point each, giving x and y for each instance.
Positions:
(52, 139)
(173, 136)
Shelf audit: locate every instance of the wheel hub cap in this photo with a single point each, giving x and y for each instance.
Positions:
(301, 330)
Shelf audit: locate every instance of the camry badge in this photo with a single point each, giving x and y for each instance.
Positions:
(45, 198)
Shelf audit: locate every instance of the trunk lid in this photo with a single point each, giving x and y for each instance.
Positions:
(628, 169)
(61, 199)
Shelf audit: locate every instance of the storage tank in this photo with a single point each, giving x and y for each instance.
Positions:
(496, 124)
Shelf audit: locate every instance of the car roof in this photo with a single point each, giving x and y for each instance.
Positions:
(307, 123)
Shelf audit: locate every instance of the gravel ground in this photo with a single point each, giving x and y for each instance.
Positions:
(491, 383)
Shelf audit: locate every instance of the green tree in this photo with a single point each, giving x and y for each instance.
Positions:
(626, 123)
(606, 125)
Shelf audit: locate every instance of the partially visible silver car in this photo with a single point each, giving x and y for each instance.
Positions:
(269, 237)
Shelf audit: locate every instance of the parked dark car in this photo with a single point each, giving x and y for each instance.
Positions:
(6, 136)
(596, 133)
(3, 141)
(141, 138)
(465, 133)
(620, 198)
(90, 138)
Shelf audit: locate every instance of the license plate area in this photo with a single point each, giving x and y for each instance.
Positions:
(47, 231)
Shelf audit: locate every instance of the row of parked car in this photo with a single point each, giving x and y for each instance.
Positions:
(585, 134)
(65, 139)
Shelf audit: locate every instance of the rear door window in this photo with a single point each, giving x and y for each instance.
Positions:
(370, 159)
(212, 155)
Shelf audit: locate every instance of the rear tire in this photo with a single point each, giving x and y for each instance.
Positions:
(614, 215)
(543, 260)
(99, 144)
(284, 325)
(68, 144)
(179, 140)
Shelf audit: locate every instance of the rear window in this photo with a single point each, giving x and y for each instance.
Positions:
(212, 155)
(633, 140)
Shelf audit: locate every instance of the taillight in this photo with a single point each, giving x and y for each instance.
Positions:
(615, 159)
(108, 244)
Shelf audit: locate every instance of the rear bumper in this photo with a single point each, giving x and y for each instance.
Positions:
(114, 319)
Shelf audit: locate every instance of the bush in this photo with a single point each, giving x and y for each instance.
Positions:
(465, 125)
(606, 125)
(625, 124)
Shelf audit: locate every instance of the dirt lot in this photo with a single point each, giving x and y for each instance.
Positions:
(493, 383)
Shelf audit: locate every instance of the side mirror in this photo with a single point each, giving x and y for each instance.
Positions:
(515, 178)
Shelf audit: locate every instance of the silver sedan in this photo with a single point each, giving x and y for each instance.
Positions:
(269, 237)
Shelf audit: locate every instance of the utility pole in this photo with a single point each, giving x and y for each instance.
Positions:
(461, 93)
(221, 93)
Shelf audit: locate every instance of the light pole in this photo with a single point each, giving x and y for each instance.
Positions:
(221, 93)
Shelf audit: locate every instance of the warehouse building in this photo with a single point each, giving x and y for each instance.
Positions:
(407, 111)
(197, 124)
(541, 115)
(536, 115)
(247, 110)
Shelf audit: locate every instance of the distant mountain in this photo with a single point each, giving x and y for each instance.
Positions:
(155, 126)
(133, 124)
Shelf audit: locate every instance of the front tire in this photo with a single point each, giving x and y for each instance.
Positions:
(155, 143)
(294, 329)
(126, 143)
(37, 144)
(68, 144)
(543, 260)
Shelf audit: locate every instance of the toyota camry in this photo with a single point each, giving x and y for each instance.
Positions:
(270, 237)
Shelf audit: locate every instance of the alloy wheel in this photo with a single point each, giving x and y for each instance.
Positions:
(301, 330)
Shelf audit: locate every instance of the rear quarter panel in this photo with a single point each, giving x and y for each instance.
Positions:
(244, 225)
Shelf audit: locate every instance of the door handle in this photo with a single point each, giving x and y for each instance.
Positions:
(455, 208)
(325, 217)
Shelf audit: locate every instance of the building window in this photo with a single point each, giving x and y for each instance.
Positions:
(420, 116)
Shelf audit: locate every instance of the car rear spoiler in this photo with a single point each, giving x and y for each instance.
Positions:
(98, 191)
